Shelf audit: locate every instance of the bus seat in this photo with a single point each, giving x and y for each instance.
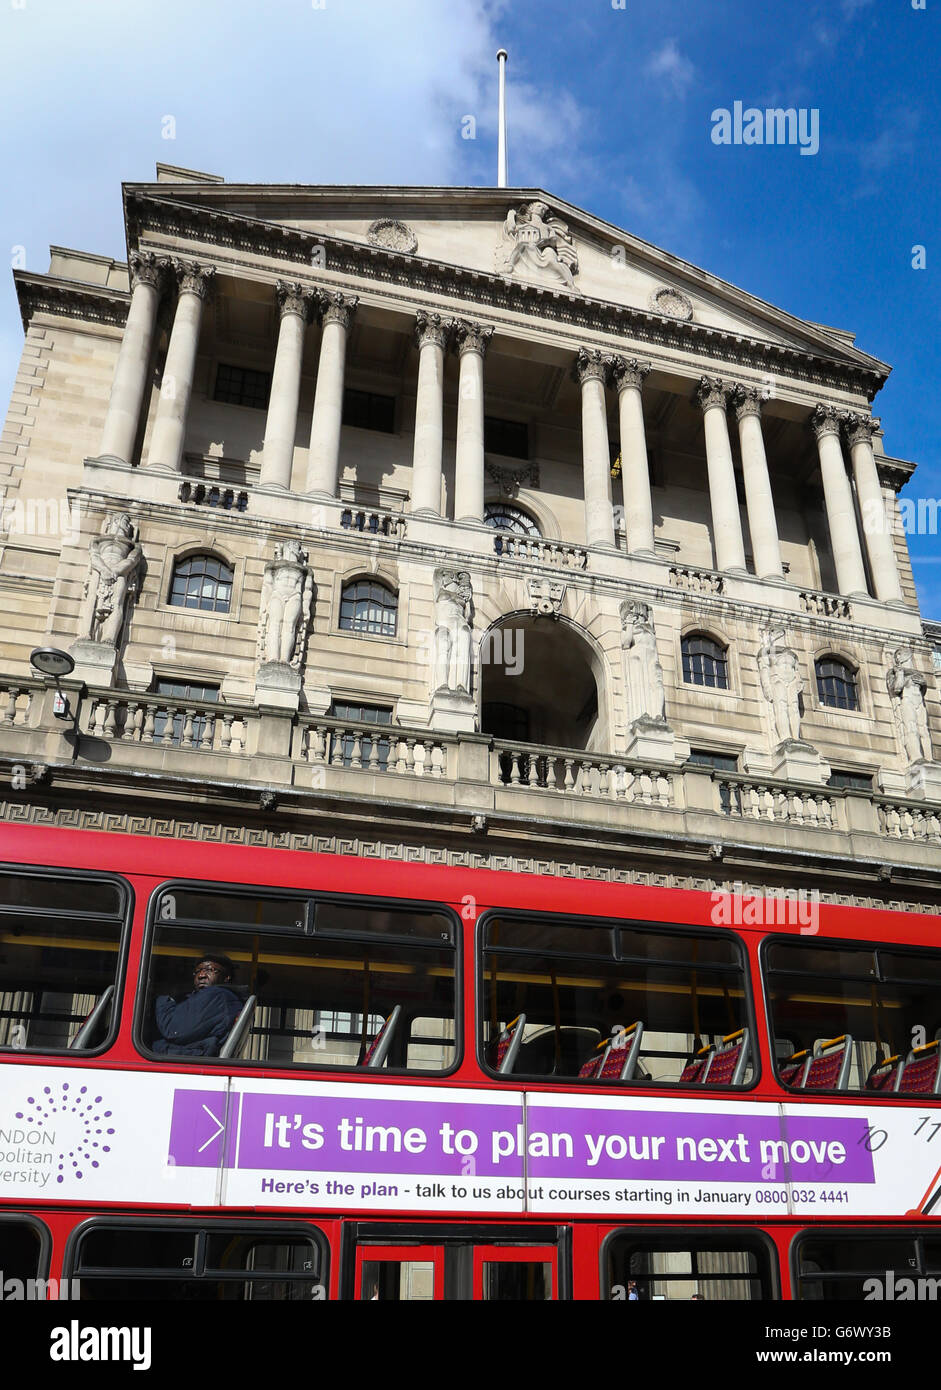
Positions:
(792, 1073)
(697, 1068)
(829, 1068)
(83, 1038)
(921, 1072)
(623, 1049)
(591, 1070)
(886, 1076)
(378, 1049)
(508, 1044)
(238, 1033)
(729, 1060)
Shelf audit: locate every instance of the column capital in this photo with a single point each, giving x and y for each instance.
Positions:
(859, 428)
(713, 391)
(591, 364)
(336, 307)
(747, 401)
(147, 268)
(431, 328)
(628, 371)
(825, 420)
(193, 278)
(471, 337)
(294, 298)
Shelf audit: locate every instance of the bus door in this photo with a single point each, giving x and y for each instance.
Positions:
(516, 1273)
(399, 1273)
(486, 1264)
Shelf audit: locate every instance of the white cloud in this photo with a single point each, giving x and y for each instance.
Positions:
(673, 66)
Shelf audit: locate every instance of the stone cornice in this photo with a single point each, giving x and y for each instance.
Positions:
(894, 473)
(145, 212)
(46, 294)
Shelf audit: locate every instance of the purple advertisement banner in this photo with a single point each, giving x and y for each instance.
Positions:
(354, 1134)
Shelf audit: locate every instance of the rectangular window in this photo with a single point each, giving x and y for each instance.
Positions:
(214, 1263)
(60, 948)
(507, 437)
(366, 411)
(723, 762)
(853, 781)
(841, 1265)
(21, 1250)
(181, 726)
(596, 1002)
(297, 981)
(844, 1017)
(242, 386)
(372, 747)
(645, 1266)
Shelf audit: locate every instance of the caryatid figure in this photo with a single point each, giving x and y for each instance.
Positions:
(643, 673)
(287, 593)
(781, 684)
(907, 687)
(115, 559)
(453, 595)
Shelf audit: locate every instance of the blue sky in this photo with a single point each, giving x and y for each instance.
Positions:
(609, 107)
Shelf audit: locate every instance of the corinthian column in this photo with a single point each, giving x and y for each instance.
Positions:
(591, 369)
(882, 561)
(838, 498)
(294, 302)
(762, 523)
(635, 471)
(323, 463)
(176, 388)
(431, 332)
(472, 341)
(148, 275)
(723, 495)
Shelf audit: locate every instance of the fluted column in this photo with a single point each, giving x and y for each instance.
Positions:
(294, 302)
(148, 274)
(759, 501)
(838, 498)
(882, 559)
(323, 463)
(472, 340)
(723, 495)
(591, 370)
(431, 331)
(635, 469)
(176, 387)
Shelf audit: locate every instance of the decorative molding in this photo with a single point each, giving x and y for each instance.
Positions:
(672, 303)
(747, 401)
(43, 294)
(295, 298)
(193, 278)
(859, 428)
(546, 597)
(591, 364)
(627, 371)
(825, 420)
(147, 268)
(392, 235)
(713, 391)
(471, 337)
(510, 480)
(431, 328)
(336, 307)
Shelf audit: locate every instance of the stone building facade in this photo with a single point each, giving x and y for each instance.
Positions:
(457, 525)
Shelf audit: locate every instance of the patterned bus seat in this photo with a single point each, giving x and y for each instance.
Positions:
(885, 1076)
(729, 1060)
(697, 1068)
(793, 1070)
(829, 1068)
(921, 1074)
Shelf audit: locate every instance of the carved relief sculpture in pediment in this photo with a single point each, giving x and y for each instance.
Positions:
(536, 241)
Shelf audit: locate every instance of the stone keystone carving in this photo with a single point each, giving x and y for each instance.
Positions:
(781, 683)
(907, 687)
(453, 610)
(114, 564)
(287, 594)
(643, 673)
(545, 597)
(535, 240)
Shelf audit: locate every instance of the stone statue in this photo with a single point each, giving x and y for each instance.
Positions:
(907, 687)
(115, 560)
(287, 593)
(643, 673)
(453, 595)
(781, 684)
(540, 241)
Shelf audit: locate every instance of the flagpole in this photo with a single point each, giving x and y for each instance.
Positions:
(501, 138)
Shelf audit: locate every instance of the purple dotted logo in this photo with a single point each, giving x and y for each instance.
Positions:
(75, 1117)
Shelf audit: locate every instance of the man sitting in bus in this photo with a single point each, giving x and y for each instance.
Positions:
(198, 1024)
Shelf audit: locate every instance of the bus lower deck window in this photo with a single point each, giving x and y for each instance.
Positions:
(713, 1267)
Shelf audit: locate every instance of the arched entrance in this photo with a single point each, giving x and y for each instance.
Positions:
(542, 682)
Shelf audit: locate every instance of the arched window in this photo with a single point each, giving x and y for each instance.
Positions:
(836, 683)
(367, 606)
(202, 581)
(705, 662)
(503, 516)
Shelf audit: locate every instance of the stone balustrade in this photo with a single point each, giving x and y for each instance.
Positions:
(571, 773)
(162, 721)
(823, 605)
(373, 522)
(693, 581)
(756, 799)
(374, 748)
(905, 821)
(538, 551)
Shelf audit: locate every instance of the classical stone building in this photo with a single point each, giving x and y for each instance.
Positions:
(459, 526)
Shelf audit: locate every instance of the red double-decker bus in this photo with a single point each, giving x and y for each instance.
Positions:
(256, 1074)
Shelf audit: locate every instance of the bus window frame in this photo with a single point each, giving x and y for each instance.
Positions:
(836, 943)
(7, 868)
(311, 896)
(857, 1233)
(679, 1233)
(25, 1218)
(294, 1225)
(616, 957)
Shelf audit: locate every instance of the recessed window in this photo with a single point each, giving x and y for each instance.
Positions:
(503, 516)
(705, 662)
(836, 684)
(373, 749)
(242, 386)
(366, 606)
(852, 781)
(367, 411)
(176, 727)
(704, 757)
(507, 437)
(203, 582)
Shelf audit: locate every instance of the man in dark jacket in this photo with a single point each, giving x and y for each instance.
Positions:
(198, 1024)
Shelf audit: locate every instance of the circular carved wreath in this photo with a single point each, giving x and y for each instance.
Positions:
(672, 303)
(393, 235)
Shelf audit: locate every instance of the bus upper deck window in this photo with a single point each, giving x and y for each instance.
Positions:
(60, 950)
